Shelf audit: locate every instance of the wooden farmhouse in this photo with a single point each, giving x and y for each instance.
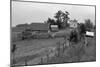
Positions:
(73, 23)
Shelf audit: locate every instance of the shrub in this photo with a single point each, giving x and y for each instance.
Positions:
(74, 36)
(27, 34)
(82, 29)
(88, 24)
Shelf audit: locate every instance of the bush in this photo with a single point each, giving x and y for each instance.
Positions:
(82, 29)
(88, 24)
(74, 36)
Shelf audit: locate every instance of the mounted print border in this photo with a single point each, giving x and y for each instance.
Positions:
(51, 33)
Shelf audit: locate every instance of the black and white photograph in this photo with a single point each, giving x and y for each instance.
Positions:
(44, 33)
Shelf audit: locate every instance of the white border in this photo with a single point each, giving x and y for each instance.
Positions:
(5, 33)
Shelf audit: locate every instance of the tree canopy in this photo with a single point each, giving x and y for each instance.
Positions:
(88, 24)
(61, 19)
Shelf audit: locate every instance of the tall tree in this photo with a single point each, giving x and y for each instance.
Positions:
(62, 18)
(65, 18)
(51, 21)
(58, 16)
(82, 28)
(88, 24)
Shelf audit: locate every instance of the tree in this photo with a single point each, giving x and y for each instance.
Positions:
(62, 18)
(65, 18)
(82, 28)
(74, 36)
(88, 24)
(51, 21)
(58, 16)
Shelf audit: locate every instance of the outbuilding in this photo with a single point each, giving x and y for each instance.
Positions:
(89, 34)
(54, 28)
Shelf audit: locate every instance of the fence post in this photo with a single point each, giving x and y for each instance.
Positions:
(69, 43)
(63, 47)
(47, 58)
(41, 62)
(26, 61)
(13, 59)
(58, 48)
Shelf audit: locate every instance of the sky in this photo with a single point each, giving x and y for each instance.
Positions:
(29, 12)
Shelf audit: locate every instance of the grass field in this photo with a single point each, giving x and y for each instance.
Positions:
(85, 54)
(35, 49)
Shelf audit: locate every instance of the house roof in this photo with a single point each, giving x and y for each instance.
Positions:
(33, 26)
(18, 29)
(39, 26)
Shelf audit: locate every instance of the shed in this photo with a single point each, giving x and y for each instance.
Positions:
(54, 27)
(89, 34)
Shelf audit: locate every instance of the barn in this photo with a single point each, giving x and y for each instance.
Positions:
(24, 30)
(40, 27)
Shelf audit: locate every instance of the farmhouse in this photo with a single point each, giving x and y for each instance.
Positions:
(73, 23)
